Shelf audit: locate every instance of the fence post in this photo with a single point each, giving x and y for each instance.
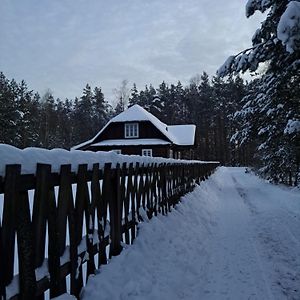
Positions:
(25, 248)
(8, 223)
(115, 210)
(140, 192)
(56, 287)
(134, 196)
(130, 200)
(154, 189)
(164, 189)
(102, 215)
(16, 207)
(125, 200)
(40, 208)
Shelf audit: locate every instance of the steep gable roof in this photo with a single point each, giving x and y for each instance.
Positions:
(137, 113)
(181, 135)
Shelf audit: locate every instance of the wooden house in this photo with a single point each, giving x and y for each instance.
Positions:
(138, 132)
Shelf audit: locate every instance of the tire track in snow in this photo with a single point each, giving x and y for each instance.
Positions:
(253, 210)
(235, 270)
(227, 240)
(274, 239)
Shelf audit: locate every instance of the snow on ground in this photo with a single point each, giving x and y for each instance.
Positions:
(234, 237)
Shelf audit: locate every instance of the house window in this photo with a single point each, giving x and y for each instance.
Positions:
(147, 152)
(131, 130)
(118, 151)
(170, 153)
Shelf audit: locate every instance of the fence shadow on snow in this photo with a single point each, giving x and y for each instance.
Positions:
(58, 228)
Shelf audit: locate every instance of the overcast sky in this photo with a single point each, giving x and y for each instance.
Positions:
(64, 44)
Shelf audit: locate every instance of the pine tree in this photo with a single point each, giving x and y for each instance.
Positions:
(48, 121)
(163, 93)
(83, 115)
(277, 42)
(100, 110)
(134, 96)
(182, 115)
(205, 121)
(26, 137)
(8, 111)
(34, 114)
(64, 124)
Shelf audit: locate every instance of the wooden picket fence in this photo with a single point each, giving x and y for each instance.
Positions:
(79, 220)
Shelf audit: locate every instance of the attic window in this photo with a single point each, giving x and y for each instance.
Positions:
(131, 130)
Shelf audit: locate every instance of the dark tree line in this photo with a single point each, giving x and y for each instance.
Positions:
(236, 123)
(209, 104)
(28, 119)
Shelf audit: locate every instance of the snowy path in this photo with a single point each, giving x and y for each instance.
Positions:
(234, 237)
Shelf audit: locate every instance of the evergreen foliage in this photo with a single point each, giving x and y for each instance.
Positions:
(209, 104)
(270, 116)
(32, 120)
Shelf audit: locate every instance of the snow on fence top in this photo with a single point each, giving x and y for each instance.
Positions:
(28, 158)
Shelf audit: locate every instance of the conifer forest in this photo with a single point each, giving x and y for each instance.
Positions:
(240, 122)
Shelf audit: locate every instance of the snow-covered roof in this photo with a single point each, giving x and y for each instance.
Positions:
(130, 142)
(181, 135)
(184, 134)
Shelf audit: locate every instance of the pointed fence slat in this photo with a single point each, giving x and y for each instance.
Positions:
(133, 196)
(125, 200)
(27, 280)
(95, 196)
(81, 205)
(11, 196)
(56, 286)
(40, 208)
(115, 211)
(101, 207)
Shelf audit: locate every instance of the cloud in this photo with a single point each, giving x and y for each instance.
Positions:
(62, 45)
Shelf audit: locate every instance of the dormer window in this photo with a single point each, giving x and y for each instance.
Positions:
(131, 130)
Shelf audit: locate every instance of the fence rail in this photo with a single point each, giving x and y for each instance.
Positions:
(53, 224)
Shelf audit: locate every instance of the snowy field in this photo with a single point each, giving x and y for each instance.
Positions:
(235, 237)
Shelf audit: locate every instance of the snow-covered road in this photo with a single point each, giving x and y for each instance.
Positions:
(234, 237)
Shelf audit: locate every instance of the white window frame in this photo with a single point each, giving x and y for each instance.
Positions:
(179, 155)
(118, 151)
(131, 130)
(147, 152)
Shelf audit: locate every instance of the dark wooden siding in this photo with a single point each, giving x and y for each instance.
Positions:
(157, 150)
(146, 131)
(116, 131)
